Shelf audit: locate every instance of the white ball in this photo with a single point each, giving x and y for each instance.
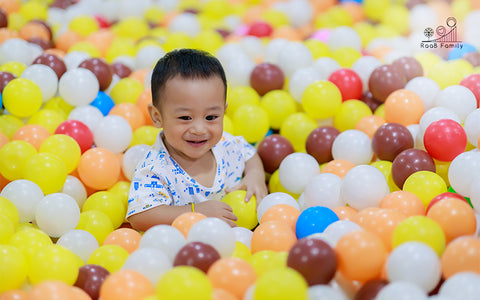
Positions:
(325, 66)
(299, 12)
(300, 80)
(338, 229)
(150, 262)
(462, 170)
(472, 127)
(75, 188)
(78, 86)
(401, 290)
(243, 235)
(229, 52)
(324, 292)
(435, 114)
(253, 46)
(293, 56)
(422, 16)
(323, 190)
(364, 186)
(273, 48)
(426, 88)
(475, 195)
(463, 285)
(147, 57)
(165, 238)
(118, 142)
(25, 195)
(44, 77)
(274, 199)
(17, 50)
(296, 170)
(132, 157)
(344, 36)
(73, 59)
(57, 214)
(238, 71)
(216, 233)
(187, 23)
(353, 145)
(87, 114)
(414, 130)
(415, 262)
(364, 67)
(80, 242)
(127, 60)
(458, 99)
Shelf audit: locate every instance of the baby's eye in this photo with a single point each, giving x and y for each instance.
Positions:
(211, 118)
(185, 118)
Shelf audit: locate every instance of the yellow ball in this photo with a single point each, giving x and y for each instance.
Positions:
(251, 122)
(144, 135)
(54, 262)
(59, 105)
(6, 229)
(154, 14)
(84, 25)
(9, 125)
(266, 260)
(275, 17)
(334, 17)
(13, 156)
(441, 168)
(8, 209)
(29, 240)
(87, 47)
(14, 67)
(427, 60)
(246, 212)
(184, 282)
(287, 283)
(444, 74)
(296, 129)
(397, 16)
(22, 97)
(385, 167)
(127, 90)
(48, 118)
(97, 223)
(216, 9)
(13, 268)
(318, 48)
(274, 185)
(109, 203)
(34, 10)
(346, 56)
(375, 9)
(426, 185)
(120, 47)
(242, 251)
(121, 188)
(349, 113)
(321, 99)
(65, 147)
(47, 170)
(177, 40)
(228, 125)
(111, 257)
(380, 111)
(420, 229)
(16, 21)
(366, 31)
(239, 96)
(131, 27)
(278, 104)
(208, 40)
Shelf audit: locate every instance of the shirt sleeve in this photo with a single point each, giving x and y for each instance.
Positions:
(239, 146)
(148, 188)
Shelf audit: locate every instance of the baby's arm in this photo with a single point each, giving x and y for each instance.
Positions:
(166, 214)
(253, 180)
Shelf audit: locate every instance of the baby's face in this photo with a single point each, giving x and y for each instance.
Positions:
(191, 113)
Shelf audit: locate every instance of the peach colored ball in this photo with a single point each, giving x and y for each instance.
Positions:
(339, 167)
(273, 235)
(383, 223)
(32, 134)
(281, 212)
(404, 107)
(370, 124)
(99, 168)
(345, 212)
(461, 255)
(127, 238)
(185, 221)
(126, 285)
(131, 113)
(232, 274)
(405, 202)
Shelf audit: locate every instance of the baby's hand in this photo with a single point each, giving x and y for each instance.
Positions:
(254, 185)
(217, 209)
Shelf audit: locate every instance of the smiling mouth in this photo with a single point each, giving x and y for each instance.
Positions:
(197, 143)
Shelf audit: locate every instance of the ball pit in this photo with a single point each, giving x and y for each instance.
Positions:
(366, 121)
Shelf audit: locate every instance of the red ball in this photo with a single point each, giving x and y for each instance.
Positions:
(472, 82)
(260, 29)
(445, 139)
(266, 77)
(272, 150)
(445, 195)
(78, 131)
(348, 82)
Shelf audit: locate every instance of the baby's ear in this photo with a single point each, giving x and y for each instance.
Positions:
(155, 115)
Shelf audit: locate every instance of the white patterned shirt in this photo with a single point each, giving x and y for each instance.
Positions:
(160, 180)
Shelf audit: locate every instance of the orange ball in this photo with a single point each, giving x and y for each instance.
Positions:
(67, 39)
(129, 112)
(287, 32)
(461, 255)
(185, 221)
(383, 223)
(405, 202)
(98, 168)
(345, 212)
(127, 238)
(10, 6)
(361, 255)
(139, 75)
(102, 40)
(79, 294)
(454, 216)
(339, 167)
(14, 295)
(126, 285)
(273, 235)
(404, 107)
(220, 294)
(6, 34)
(233, 275)
(34, 30)
(32, 134)
(4, 139)
(369, 124)
(51, 290)
(281, 212)
(142, 102)
(364, 215)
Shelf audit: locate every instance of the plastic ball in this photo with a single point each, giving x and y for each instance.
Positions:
(280, 212)
(348, 82)
(273, 235)
(370, 289)
(301, 79)
(384, 80)
(295, 171)
(403, 107)
(274, 199)
(397, 289)
(288, 282)
(251, 122)
(78, 86)
(9, 211)
(214, 232)
(463, 284)
(321, 99)
(126, 285)
(404, 202)
(323, 190)
(296, 128)
(13, 156)
(408, 162)
(266, 77)
(278, 104)
(57, 214)
(458, 99)
(473, 84)
(131, 113)
(29, 240)
(111, 257)
(471, 127)
(272, 150)
(339, 167)
(232, 274)
(126, 238)
(165, 238)
(265, 260)
(289, 62)
(80, 242)
(99, 168)
(352, 145)
(13, 268)
(319, 143)
(391, 139)
(53, 262)
(132, 157)
(426, 88)
(245, 211)
(150, 262)
(44, 77)
(90, 279)
(350, 113)
(115, 143)
(65, 147)
(24, 194)
(22, 97)
(445, 139)
(460, 256)
(198, 255)
(184, 282)
(336, 230)
(409, 66)
(462, 171)
(48, 118)
(78, 131)
(314, 220)
(109, 203)
(97, 223)
(426, 185)
(47, 170)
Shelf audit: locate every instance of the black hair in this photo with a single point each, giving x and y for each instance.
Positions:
(188, 64)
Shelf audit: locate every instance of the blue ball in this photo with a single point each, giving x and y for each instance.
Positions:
(457, 53)
(103, 102)
(314, 220)
(1, 101)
